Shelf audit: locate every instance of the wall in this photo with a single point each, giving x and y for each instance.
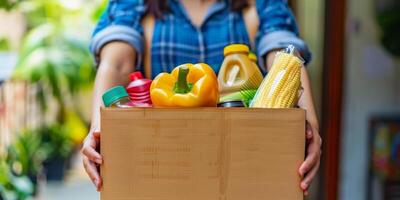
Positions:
(371, 86)
(310, 17)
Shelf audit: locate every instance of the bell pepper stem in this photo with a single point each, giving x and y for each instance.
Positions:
(181, 85)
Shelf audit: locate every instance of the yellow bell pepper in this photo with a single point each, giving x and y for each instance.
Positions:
(187, 86)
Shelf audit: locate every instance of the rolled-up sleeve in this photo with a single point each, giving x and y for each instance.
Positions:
(278, 28)
(120, 22)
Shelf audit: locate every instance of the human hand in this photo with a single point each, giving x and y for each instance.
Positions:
(310, 166)
(91, 158)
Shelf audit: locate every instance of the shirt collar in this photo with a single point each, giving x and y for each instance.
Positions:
(215, 8)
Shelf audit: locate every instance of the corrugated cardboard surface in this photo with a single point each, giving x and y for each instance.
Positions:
(202, 154)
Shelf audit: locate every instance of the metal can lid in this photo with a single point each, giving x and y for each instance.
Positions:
(230, 104)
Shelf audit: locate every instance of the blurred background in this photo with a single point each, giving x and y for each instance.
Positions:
(46, 79)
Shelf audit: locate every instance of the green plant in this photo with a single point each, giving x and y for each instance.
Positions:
(60, 62)
(26, 154)
(55, 57)
(9, 4)
(13, 187)
(61, 66)
(56, 141)
(389, 19)
(4, 44)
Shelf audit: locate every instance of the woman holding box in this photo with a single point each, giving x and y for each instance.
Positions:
(191, 31)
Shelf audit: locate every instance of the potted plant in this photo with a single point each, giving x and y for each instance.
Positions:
(26, 154)
(59, 146)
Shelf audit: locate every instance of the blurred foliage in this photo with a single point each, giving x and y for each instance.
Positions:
(56, 141)
(26, 153)
(9, 4)
(54, 55)
(59, 61)
(4, 44)
(389, 21)
(13, 187)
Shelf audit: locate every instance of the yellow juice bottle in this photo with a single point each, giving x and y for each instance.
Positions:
(238, 72)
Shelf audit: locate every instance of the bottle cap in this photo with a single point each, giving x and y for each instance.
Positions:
(113, 94)
(236, 48)
(253, 57)
(138, 84)
(135, 75)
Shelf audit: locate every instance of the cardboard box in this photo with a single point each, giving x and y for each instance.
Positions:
(202, 154)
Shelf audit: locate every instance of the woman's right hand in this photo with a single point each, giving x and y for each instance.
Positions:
(91, 158)
(117, 61)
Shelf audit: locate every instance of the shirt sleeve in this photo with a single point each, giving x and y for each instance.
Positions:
(278, 28)
(120, 22)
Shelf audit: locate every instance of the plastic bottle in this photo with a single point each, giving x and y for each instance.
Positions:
(117, 97)
(238, 72)
(253, 58)
(139, 90)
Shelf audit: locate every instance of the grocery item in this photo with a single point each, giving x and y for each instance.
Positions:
(253, 58)
(117, 97)
(231, 104)
(187, 86)
(280, 89)
(139, 90)
(243, 95)
(238, 72)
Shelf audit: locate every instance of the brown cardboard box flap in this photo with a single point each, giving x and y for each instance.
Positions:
(202, 153)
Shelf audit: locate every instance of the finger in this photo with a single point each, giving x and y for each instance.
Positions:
(310, 161)
(309, 134)
(91, 170)
(309, 177)
(96, 135)
(92, 154)
(309, 131)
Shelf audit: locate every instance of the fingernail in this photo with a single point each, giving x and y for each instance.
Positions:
(304, 186)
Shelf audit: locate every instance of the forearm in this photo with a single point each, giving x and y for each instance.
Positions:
(117, 60)
(306, 99)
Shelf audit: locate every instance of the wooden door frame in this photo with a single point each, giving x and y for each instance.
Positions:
(333, 73)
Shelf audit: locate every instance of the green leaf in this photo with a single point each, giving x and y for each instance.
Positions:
(4, 44)
(9, 4)
(33, 66)
(38, 37)
(23, 185)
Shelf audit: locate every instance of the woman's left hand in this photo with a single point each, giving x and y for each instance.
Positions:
(310, 166)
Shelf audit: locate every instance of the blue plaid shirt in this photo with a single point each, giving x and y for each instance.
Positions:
(177, 41)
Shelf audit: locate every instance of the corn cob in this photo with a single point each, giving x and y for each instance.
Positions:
(280, 89)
